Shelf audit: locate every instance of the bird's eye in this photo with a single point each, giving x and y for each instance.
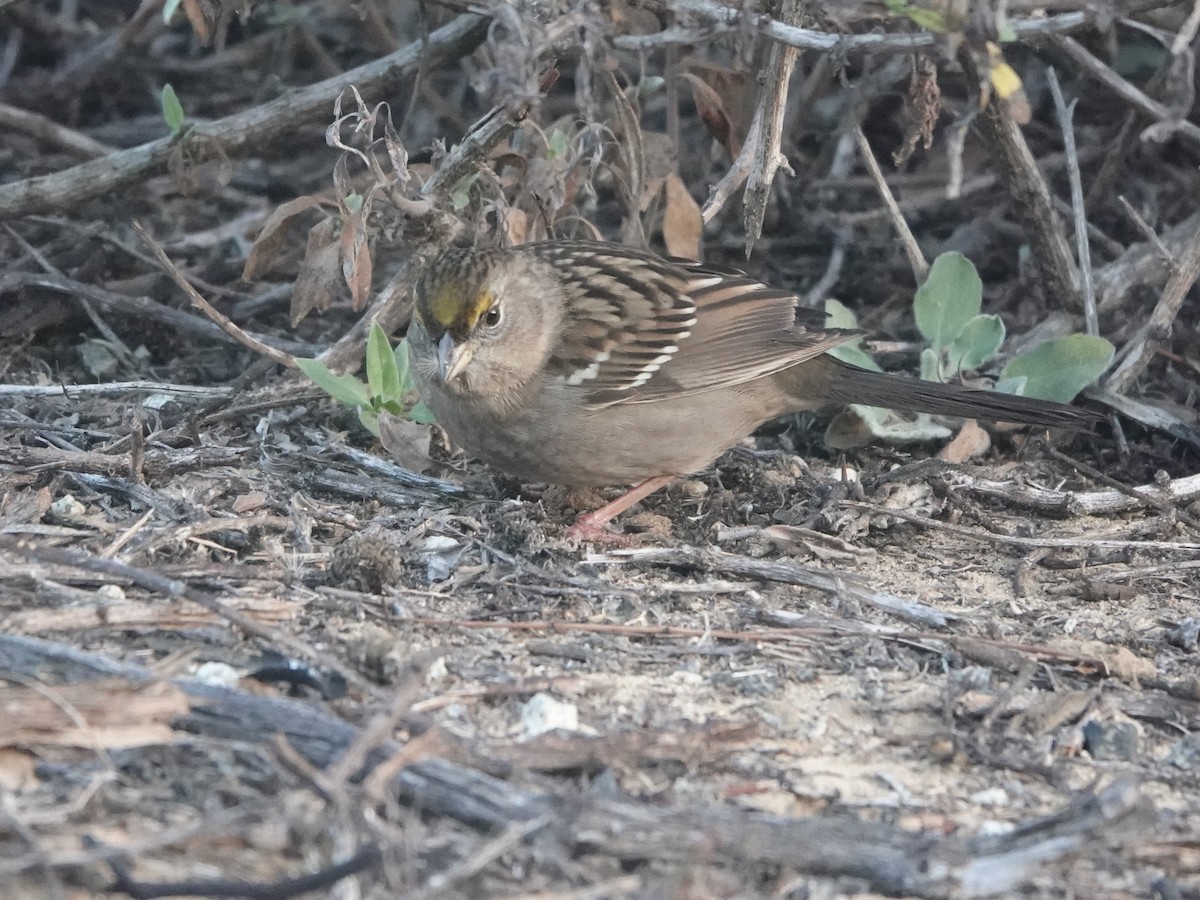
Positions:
(492, 317)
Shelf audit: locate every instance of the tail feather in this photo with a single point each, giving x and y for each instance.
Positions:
(838, 384)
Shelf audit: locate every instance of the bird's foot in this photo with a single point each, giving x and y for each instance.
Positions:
(592, 528)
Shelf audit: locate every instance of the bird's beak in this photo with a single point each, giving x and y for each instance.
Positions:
(452, 358)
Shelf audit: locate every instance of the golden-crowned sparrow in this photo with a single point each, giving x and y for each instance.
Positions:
(590, 364)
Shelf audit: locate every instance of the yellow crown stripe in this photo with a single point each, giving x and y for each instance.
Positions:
(450, 311)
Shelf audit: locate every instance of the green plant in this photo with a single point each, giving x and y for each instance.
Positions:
(961, 339)
(172, 109)
(389, 388)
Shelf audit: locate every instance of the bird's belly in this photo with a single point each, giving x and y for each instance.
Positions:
(620, 444)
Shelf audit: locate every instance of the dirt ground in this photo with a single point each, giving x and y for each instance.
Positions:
(243, 653)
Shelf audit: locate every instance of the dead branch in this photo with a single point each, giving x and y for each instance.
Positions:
(1083, 253)
(786, 572)
(1088, 503)
(1139, 351)
(717, 17)
(241, 131)
(1170, 121)
(1034, 203)
(916, 259)
(769, 158)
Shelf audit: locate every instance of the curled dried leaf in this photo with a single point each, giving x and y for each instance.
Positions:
(356, 257)
(266, 246)
(713, 115)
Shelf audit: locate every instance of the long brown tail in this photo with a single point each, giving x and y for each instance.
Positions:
(838, 384)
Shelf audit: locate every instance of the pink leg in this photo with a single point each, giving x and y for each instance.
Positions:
(590, 526)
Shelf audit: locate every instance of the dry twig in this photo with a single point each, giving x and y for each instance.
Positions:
(1035, 206)
(1083, 252)
(241, 131)
(916, 259)
(1138, 352)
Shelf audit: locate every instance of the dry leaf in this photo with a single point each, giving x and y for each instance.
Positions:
(356, 257)
(922, 106)
(713, 115)
(270, 236)
(317, 280)
(734, 101)
(682, 223)
(405, 441)
(515, 224)
(970, 442)
(197, 17)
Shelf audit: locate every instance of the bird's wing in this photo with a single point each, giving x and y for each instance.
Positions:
(643, 328)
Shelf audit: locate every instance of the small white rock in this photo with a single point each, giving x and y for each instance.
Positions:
(217, 673)
(542, 713)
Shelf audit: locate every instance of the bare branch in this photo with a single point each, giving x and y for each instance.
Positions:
(1083, 252)
(241, 131)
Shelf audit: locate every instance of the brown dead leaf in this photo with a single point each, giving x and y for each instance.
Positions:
(922, 106)
(970, 442)
(270, 237)
(734, 93)
(405, 441)
(713, 115)
(197, 16)
(682, 223)
(317, 281)
(357, 266)
(515, 224)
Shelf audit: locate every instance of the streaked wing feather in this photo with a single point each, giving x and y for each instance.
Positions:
(686, 327)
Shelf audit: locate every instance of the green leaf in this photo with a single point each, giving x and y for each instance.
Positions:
(401, 355)
(353, 202)
(343, 388)
(172, 109)
(460, 197)
(421, 414)
(556, 145)
(927, 18)
(650, 84)
(978, 342)
(383, 375)
(858, 425)
(950, 297)
(369, 419)
(1059, 369)
(1015, 386)
(931, 365)
(838, 315)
